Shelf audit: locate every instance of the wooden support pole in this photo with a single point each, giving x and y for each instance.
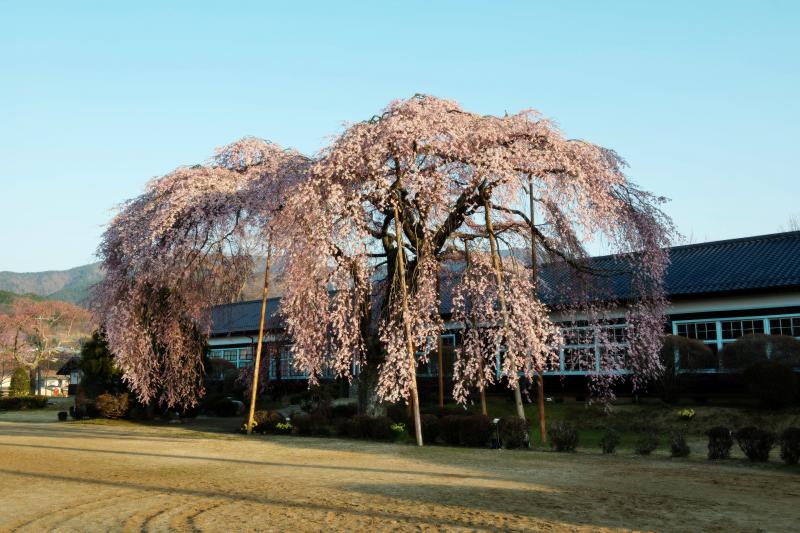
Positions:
(257, 362)
(439, 356)
(498, 274)
(534, 282)
(401, 273)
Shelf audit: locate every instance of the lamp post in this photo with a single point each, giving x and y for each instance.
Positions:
(496, 444)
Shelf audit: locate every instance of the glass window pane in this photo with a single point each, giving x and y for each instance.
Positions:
(579, 358)
(699, 330)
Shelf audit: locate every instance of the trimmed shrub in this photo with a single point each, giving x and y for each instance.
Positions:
(692, 354)
(398, 430)
(190, 412)
(513, 432)
(226, 408)
(265, 420)
(609, 441)
(773, 384)
(362, 427)
(282, 428)
(367, 427)
(563, 437)
(751, 349)
(646, 443)
(19, 403)
(316, 399)
(678, 447)
(450, 430)
(36, 402)
(112, 406)
(756, 443)
(344, 410)
(20, 383)
(83, 408)
(720, 442)
(220, 405)
(345, 427)
(302, 424)
(314, 424)
(430, 428)
(475, 431)
(381, 428)
(141, 412)
(790, 445)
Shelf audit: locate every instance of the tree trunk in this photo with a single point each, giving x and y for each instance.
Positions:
(482, 390)
(401, 273)
(534, 282)
(257, 362)
(368, 402)
(498, 274)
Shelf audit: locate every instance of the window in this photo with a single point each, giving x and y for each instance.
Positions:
(789, 326)
(239, 357)
(431, 368)
(578, 336)
(579, 359)
(287, 368)
(583, 346)
(717, 333)
(698, 330)
(733, 329)
(615, 334)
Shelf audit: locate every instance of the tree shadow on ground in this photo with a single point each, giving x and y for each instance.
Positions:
(402, 514)
(575, 507)
(145, 430)
(248, 462)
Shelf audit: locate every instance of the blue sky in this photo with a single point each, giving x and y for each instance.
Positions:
(702, 98)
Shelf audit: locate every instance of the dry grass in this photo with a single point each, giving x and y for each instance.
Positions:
(124, 477)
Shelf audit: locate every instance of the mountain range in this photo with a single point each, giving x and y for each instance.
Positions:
(74, 285)
(71, 285)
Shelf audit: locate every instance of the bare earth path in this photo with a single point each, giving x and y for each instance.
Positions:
(87, 477)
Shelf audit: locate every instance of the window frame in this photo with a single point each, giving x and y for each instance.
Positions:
(719, 342)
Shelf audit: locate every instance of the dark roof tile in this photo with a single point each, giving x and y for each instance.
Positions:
(764, 262)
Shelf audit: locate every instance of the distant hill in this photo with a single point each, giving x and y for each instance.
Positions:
(71, 285)
(74, 285)
(7, 297)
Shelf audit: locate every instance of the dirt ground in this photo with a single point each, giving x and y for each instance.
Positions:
(78, 476)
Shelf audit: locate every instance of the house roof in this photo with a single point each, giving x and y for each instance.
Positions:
(71, 365)
(243, 317)
(748, 264)
(745, 264)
